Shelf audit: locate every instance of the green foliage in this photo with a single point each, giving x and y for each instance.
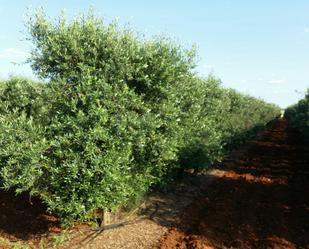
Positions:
(199, 102)
(20, 95)
(101, 147)
(214, 120)
(118, 113)
(298, 114)
(106, 143)
(244, 116)
(21, 140)
(86, 45)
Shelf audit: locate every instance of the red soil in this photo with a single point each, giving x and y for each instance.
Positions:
(259, 201)
(23, 219)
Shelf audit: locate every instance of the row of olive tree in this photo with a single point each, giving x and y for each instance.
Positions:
(298, 114)
(118, 112)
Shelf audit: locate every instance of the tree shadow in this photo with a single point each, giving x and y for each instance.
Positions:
(22, 218)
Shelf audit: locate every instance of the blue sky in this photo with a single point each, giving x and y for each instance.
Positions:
(257, 47)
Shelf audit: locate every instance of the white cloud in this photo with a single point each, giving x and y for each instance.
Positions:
(306, 30)
(13, 54)
(277, 81)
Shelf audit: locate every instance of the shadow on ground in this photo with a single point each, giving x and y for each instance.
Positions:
(22, 218)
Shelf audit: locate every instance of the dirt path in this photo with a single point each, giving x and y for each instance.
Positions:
(260, 201)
